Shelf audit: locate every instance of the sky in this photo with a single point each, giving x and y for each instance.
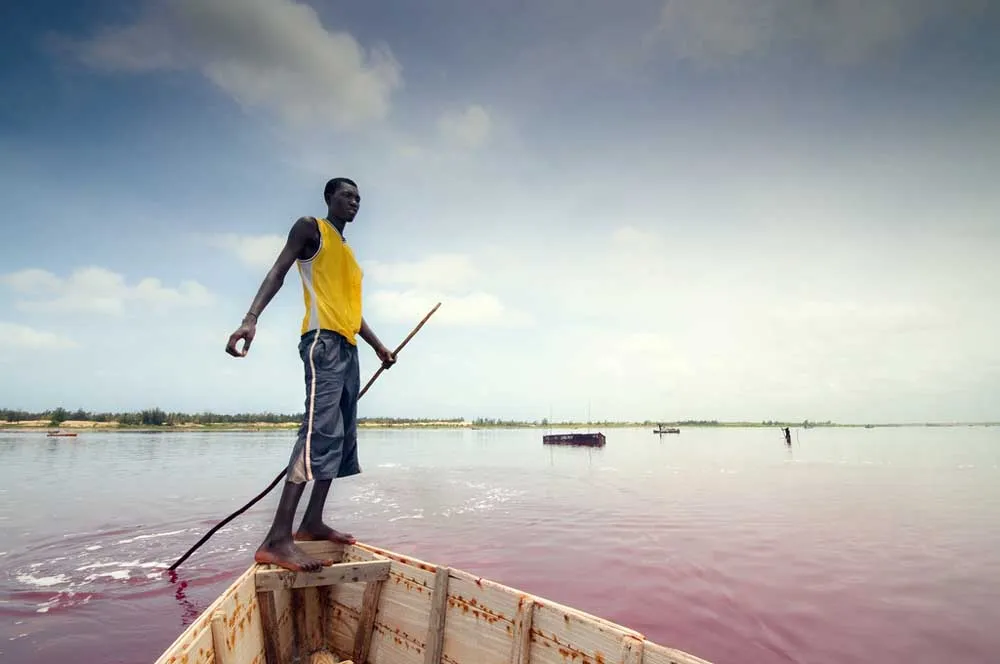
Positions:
(654, 209)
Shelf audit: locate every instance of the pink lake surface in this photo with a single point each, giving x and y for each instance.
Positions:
(875, 545)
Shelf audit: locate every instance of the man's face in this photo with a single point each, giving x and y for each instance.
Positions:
(345, 202)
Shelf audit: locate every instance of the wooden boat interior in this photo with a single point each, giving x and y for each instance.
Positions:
(379, 607)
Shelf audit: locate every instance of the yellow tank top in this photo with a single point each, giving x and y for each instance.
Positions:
(331, 286)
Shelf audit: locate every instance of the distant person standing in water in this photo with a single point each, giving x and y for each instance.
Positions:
(788, 437)
(327, 444)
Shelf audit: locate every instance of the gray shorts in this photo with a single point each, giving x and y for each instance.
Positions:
(327, 445)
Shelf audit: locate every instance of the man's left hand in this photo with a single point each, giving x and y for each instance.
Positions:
(384, 354)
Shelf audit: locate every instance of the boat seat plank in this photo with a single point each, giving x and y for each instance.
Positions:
(277, 578)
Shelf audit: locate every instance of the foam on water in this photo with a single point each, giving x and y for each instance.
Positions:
(42, 582)
(152, 536)
(90, 566)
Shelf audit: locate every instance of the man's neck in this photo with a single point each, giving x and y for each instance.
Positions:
(337, 223)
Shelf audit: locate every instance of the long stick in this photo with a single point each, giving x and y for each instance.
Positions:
(277, 479)
(399, 348)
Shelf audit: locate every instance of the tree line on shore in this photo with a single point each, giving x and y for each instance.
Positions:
(159, 417)
(156, 417)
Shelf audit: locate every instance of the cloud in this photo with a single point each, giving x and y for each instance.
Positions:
(13, 335)
(469, 128)
(31, 279)
(99, 290)
(833, 325)
(445, 278)
(273, 54)
(470, 309)
(258, 251)
(433, 271)
(840, 31)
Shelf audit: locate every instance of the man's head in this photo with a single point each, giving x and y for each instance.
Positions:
(342, 199)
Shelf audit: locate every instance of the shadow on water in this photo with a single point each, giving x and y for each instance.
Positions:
(574, 452)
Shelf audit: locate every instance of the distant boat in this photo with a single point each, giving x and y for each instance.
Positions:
(60, 434)
(662, 429)
(575, 439)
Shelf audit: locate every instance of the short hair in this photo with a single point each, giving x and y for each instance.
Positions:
(331, 186)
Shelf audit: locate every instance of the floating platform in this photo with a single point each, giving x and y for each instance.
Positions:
(575, 439)
(373, 606)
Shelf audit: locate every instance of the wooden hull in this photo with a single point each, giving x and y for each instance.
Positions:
(378, 607)
(576, 439)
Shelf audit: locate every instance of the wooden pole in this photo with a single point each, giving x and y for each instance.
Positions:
(399, 348)
(277, 479)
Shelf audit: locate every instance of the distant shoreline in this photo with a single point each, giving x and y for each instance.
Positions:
(81, 426)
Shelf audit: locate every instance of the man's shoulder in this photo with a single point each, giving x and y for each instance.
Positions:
(305, 227)
(306, 220)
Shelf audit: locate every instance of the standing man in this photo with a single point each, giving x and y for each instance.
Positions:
(327, 444)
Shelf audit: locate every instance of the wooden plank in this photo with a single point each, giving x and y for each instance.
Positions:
(405, 605)
(520, 651)
(559, 632)
(497, 602)
(654, 653)
(277, 578)
(312, 626)
(219, 635)
(481, 616)
(632, 650)
(346, 602)
(366, 624)
(238, 637)
(199, 650)
(389, 648)
(408, 561)
(324, 549)
(435, 623)
(269, 626)
(299, 622)
(342, 625)
(323, 601)
(481, 620)
(285, 638)
(200, 629)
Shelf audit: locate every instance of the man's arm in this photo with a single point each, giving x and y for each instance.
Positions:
(302, 232)
(384, 354)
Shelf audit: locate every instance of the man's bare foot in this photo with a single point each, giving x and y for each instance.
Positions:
(285, 554)
(323, 532)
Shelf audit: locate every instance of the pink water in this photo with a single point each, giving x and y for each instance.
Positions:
(879, 545)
